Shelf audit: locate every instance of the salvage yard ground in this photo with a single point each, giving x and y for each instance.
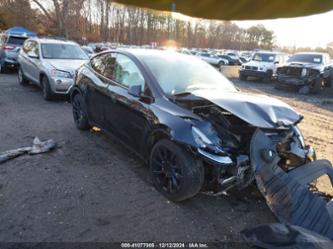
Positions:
(92, 189)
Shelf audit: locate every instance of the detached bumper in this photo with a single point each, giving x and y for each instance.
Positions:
(287, 193)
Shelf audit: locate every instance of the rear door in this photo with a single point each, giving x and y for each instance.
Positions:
(97, 87)
(24, 59)
(30, 60)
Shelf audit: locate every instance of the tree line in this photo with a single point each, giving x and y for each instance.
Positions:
(107, 21)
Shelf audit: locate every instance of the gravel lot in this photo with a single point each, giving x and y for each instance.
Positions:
(92, 189)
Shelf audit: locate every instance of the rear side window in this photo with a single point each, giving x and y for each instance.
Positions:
(16, 40)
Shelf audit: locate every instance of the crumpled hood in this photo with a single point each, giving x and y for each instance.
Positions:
(258, 110)
(66, 65)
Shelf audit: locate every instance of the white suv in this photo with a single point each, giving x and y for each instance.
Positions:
(263, 65)
(50, 64)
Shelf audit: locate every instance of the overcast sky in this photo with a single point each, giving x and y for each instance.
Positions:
(313, 31)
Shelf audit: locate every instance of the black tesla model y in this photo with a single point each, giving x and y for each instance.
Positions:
(184, 119)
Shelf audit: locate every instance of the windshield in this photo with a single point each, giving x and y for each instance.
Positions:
(308, 58)
(264, 57)
(63, 51)
(177, 73)
(16, 40)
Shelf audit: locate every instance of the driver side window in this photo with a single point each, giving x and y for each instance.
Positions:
(127, 73)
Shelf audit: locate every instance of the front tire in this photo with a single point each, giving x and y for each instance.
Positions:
(268, 77)
(2, 68)
(79, 114)
(46, 89)
(175, 172)
(21, 78)
(304, 90)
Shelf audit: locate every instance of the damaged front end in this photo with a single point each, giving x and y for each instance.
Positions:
(285, 169)
(304, 79)
(242, 138)
(224, 142)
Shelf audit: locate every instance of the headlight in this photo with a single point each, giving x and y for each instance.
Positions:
(200, 138)
(299, 135)
(60, 74)
(303, 73)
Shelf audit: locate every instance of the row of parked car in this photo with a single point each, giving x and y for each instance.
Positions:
(306, 72)
(51, 63)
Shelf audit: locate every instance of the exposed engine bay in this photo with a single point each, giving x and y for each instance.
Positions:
(235, 135)
(234, 141)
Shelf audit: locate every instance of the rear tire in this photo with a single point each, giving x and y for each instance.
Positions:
(304, 90)
(79, 114)
(46, 89)
(21, 78)
(2, 68)
(242, 77)
(175, 173)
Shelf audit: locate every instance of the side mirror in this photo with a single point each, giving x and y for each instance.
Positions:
(135, 90)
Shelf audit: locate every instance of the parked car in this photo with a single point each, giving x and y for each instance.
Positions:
(231, 60)
(50, 64)
(306, 72)
(212, 59)
(11, 42)
(263, 65)
(184, 119)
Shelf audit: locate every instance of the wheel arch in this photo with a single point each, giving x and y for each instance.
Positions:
(158, 133)
(41, 75)
(179, 135)
(75, 90)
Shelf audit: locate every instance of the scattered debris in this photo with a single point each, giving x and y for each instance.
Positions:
(37, 147)
(281, 236)
(95, 129)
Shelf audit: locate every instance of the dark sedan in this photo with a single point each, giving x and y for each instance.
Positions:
(186, 120)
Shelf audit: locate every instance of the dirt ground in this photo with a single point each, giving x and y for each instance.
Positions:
(92, 189)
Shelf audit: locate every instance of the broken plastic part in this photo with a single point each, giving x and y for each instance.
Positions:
(282, 236)
(287, 193)
(36, 148)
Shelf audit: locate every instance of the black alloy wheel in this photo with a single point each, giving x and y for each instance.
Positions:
(175, 173)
